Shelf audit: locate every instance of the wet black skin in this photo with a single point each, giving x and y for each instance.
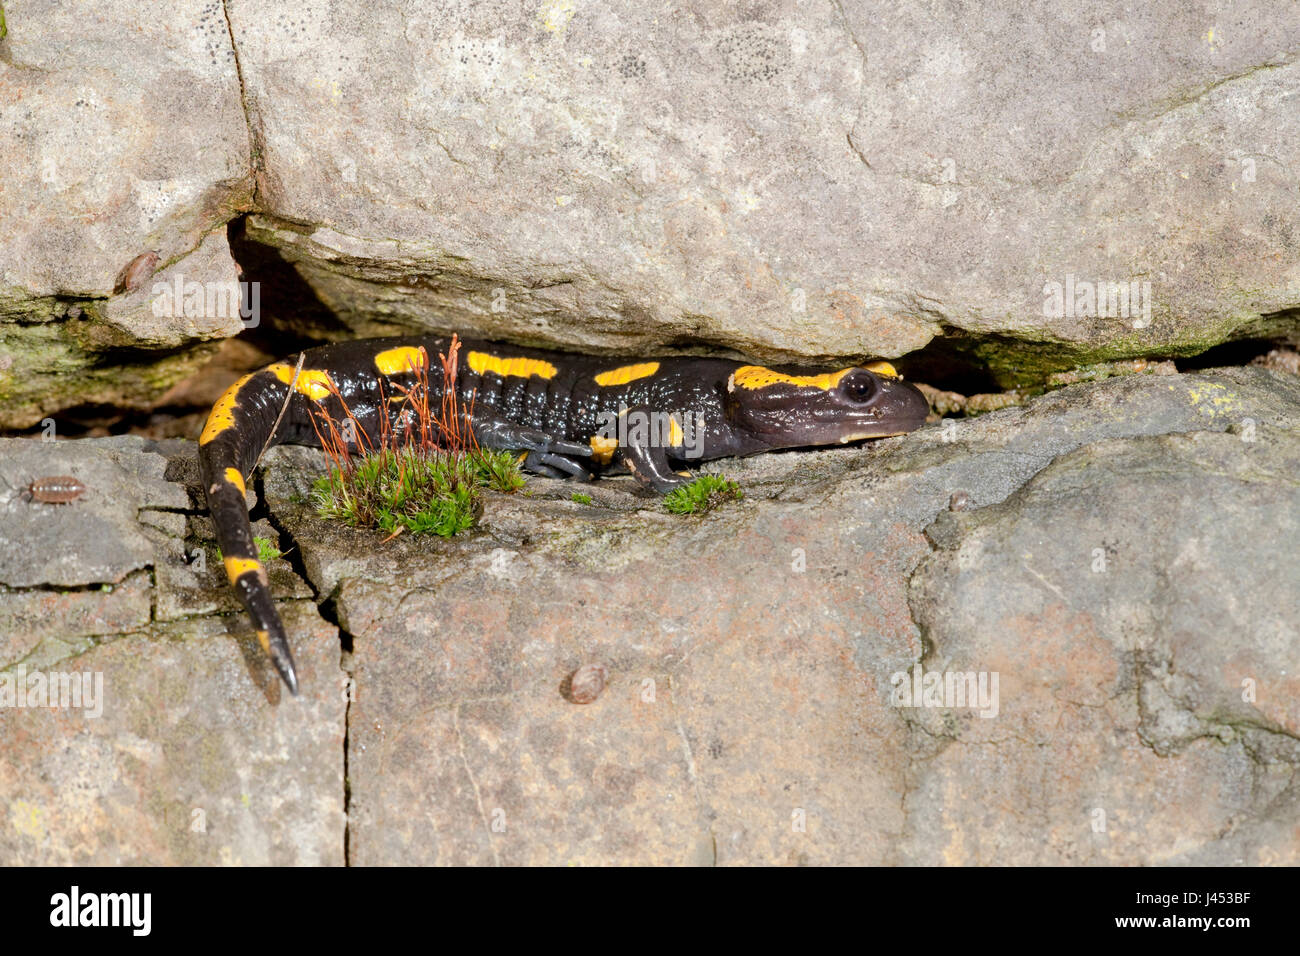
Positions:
(552, 419)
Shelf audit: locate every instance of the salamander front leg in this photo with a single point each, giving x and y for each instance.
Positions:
(649, 465)
(547, 455)
(556, 466)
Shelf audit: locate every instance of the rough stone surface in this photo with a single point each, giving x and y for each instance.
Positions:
(95, 539)
(834, 178)
(1139, 598)
(194, 757)
(818, 180)
(752, 654)
(119, 134)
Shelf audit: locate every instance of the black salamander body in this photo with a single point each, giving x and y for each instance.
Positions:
(573, 415)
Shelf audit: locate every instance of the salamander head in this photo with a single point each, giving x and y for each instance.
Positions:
(792, 409)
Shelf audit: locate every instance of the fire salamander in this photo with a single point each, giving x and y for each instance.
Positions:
(571, 415)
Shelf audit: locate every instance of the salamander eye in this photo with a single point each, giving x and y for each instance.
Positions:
(859, 386)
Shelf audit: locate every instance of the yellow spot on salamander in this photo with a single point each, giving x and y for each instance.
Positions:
(235, 478)
(264, 638)
(482, 362)
(239, 566)
(627, 373)
(400, 360)
(313, 383)
(222, 415)
(602, 449)
(757, 376)
(883, 368)
(674, 432)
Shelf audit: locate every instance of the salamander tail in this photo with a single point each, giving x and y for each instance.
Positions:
(238, 428)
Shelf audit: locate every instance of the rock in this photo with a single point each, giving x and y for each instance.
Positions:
(187, 753)
(817, 183)
(121, 135)
(1145, 713)
(752, 653)
(169, 310)
(834, 180)
(96, 539)
(31, 616)
(1139, 599)
(194, 760)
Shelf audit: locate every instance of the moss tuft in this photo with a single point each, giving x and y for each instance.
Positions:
(420, 491)
(702, 495)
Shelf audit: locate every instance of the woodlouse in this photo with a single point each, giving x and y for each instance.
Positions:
(54, 490)
(136, 271)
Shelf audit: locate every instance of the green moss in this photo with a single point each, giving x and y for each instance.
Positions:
(48, 369)
(1028, 362)
(702, 495)
(580, 498)
(432, 492)
(266, 549)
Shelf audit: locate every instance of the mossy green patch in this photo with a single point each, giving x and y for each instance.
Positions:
(1030, 358)
(267, 550)
(423, 492)
(702, 495)
(46, 369)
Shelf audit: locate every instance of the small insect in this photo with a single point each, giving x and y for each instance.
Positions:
(136, 271)
(52, 490)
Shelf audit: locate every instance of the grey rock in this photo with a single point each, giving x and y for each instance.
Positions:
(192, 755)
(1139, 598)
(749, 715)
(195, 758)
(168, 310)
(96, 539)
(121, 134)
(820, 182)
(834, 180)
(754, 650)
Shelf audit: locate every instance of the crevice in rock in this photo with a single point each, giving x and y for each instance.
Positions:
(327, 608)
(856, 151)
(986, 364)
(1249, 351)
(1191, 97)
(254, 139)
(292, 316)
(93, 586)
(967, 372)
